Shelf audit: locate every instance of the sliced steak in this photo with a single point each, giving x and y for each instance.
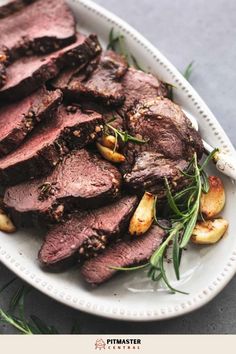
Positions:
(124, 253)
(138, 85)
(18, 119)
(150, 169)
(102, 84)
(13, 6)
(27, 74)
(81, 180)
(86, 233)
(48, 143)
(110, 115)
(165, 127)
(170, 143)
(63, 79)
(41, 27)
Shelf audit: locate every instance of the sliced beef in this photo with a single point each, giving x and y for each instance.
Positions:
(170, 143)
(101, 83)
(27, 74)
(165, 127)
(124, 253)
(41, 27)
(138, 85)
(48, 143)
(150, 169)
(63, 79)
(86, 233)
(110, 115)
(80, 180)
(18, 119)
(13, 6)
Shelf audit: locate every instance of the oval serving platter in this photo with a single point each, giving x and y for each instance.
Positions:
(205, 270)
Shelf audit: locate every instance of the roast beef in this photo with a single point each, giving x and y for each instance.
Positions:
(18, 119)
(86, 233)
(48, 143)
(110, 115)
(138, 85)
(63, 79)
(80, 180)
(13, 6)
(150, 169)
(165, 127)
(124, 253)
(102, 85)
(170, 144)
(41, 27)
(27, 74)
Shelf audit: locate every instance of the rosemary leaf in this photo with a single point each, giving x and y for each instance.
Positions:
(188, 71)
(205, 182)
(117, 43)
(111, 39)
(8, 319)
(176, 255)
(136, 64)
(171, 200)
(7, 284)
(164, 277)
(209, 157)
(184, 192)
(189, 229)
(42, 327)
(125, 136)
(155, 258)
(15, 299)
(129, 268)
(154, 274)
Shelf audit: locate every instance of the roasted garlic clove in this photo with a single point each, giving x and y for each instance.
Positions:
(6, 225)
(213, 202)
(109, 154)
(209, 231)
(143, 215)
(109, 141)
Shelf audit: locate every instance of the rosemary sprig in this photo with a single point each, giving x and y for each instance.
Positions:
(6, 318)
(15, 315)
(156, 262)
(130, 268)
(124, 135)
(183, 214)
(117, 43)
(188, 71)
(185, 207)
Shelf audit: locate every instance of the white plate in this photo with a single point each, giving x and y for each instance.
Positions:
(205, 270)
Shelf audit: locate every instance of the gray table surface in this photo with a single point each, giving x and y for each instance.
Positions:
(184, 30)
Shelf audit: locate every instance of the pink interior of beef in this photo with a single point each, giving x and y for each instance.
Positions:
(46, 135)
(24, 68)
(44, 18)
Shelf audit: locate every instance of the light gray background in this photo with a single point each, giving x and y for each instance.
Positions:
(184, 30)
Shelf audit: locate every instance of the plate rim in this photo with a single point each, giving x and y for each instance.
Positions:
(167, 312)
